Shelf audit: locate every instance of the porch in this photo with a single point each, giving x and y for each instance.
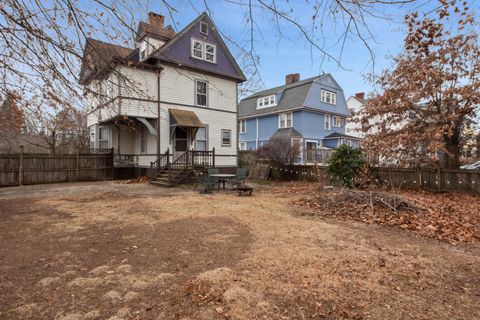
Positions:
(183, 169)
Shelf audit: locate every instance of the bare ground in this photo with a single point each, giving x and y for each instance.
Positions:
(101, 250)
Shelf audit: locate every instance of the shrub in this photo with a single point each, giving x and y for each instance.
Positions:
(283, 154)
(345, 164)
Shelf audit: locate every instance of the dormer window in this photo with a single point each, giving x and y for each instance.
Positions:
(204, 28)
(265, 102)
(328, 97)
(204, 51)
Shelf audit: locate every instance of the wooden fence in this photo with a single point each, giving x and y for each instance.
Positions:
(38, 168)
(434, 180)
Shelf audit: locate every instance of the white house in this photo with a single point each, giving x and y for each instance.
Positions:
(169, 103)
(355, 104)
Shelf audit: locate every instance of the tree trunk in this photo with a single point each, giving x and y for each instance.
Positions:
(453, 155)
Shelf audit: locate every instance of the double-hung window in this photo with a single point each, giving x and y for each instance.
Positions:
(242, 126)
(328, 97)
(197, 49)
(204, 50)
(327, 122)
(285, 120)
(336, 121)
(226, 138)
(201, 139)
(103, 137)
(143, 139)
(201, 90)
(242, 146)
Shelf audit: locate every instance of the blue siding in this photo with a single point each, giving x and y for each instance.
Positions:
(267, 126)
(313, 98)
(312, 125)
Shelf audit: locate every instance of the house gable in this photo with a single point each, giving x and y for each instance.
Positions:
(179, 50)
(313, 98)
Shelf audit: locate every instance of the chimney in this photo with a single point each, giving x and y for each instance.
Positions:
(360, 95)
(155, 19)
(292, 78)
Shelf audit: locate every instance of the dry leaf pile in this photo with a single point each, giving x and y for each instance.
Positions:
(143, 179)
(451, 217)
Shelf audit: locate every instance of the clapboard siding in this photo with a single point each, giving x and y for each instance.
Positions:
(178, 86)
(215, 121)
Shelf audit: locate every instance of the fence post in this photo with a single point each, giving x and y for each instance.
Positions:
(20, 167)
(420, 182)
(439, 179)
(77, 165)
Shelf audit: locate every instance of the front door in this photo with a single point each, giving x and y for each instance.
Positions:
(311, 147)
(180, 142)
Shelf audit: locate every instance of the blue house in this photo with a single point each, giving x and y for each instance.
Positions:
(310, 112)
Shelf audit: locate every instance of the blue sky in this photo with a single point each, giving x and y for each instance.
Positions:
(278, 58)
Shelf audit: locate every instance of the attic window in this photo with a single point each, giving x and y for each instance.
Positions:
(328, 97)
(265, 102)
(204, 51)
(204, 28)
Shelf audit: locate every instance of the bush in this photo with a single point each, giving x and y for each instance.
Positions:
(283, 154)
(345, 164)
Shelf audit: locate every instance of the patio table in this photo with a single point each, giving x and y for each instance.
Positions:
(222, 177)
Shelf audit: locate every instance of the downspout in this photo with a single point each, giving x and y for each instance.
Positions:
(158, 113)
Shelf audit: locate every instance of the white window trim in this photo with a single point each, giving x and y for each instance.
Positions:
(286, 120)
(327, 116)
(339, 121)
(106, 137)
(221, 137)
(242, 146)
(203, 23)
(196, 93)
(204, 50)
(242, 129)
(267, 98)
(323, 96)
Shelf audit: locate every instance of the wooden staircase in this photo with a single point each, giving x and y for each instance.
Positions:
(182, 170)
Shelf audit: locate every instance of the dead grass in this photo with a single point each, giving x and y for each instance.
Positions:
(129, 255)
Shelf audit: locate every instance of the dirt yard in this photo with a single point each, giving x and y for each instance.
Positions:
(104, 250)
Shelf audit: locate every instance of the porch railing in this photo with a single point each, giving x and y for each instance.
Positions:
(162, 163)
(319, 156)
(190, 159)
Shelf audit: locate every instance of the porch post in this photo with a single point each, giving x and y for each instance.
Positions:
(213, 150)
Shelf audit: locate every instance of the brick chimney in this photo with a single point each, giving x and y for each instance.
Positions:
(155, 19)
(360, 95)
(292, 78)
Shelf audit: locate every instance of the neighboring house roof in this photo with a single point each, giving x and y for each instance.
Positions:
(177, 51)
(286, 133)
(290, 96)
(362, 101)
(98, 56)
(337, 135)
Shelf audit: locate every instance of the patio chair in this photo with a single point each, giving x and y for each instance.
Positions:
(240, 176)
(207, 184)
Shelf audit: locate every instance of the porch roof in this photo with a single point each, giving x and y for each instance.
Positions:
(185, 118)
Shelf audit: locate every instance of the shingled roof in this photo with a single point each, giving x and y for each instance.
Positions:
(156, 31)
(98, 56)
(289, 96)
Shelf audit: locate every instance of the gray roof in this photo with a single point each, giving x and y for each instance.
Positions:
(286, 133)
(336, 135)
(289, 96)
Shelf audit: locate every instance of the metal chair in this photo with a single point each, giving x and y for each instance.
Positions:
(207, 183)
(240, 176)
